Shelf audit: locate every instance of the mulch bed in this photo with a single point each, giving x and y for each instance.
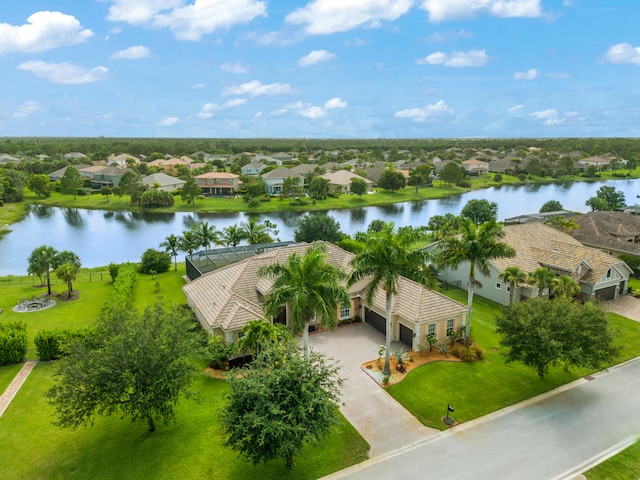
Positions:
(417, 359)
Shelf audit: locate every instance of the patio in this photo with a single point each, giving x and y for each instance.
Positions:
(41, 302)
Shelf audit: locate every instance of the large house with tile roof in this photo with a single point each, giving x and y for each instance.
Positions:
(616, 233)
(218, 184)
(600, 275)
(226, 299)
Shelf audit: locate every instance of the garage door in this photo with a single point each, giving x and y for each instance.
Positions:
(406, 336)
(376, 321)
(608, 293)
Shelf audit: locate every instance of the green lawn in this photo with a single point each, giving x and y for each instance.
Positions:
(7, 373)
(190, 448)
(479, 388)
(623, 466)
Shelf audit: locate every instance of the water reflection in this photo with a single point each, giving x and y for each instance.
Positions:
(391, 209)
(358, 215)
(41, 211)
(73, 217)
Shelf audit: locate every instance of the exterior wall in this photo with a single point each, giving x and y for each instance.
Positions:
(489, 290)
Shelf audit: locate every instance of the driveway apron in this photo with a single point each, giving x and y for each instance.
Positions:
(377, 416)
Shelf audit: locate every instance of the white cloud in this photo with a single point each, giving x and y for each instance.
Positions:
(43, 31)
(623, 53)
(548, 116)
(449, 10)
(131, 53)
(168, 121)
(331, 16)
(279, 111)
(313, 112)
(336, 102)
(234, 68)
(314, 57)
(448, 36)
(515, 108)
(187, 22)
(472, 58)
(198, 85)
(530, 74)
(208, 109)
(255, 88)
(26, 109)
(64, 72)
(425, 114)
(356, 42)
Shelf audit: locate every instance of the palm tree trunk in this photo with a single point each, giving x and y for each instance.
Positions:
(305, 341)
(470, 289)
(48, 282)
(387, 344)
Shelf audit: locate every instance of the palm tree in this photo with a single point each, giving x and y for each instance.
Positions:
(514, 277)
(205, 234)
(41, 261)
(565, 286)
(478, 245)
(385, 256)
(189, 242)
(171, 244)
(309, 287)
(258, 334)
(68, 272)
(256, 232)
(543, 278)
(231, 236)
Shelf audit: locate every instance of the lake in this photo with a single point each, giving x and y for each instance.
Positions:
(100, 237)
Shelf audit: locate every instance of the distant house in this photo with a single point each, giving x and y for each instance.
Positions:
(163, 182)
(275, 178)
(282, 156)
(226, 299)
(58, 174)
(6, 159)
(106, 176)
(616, 233)
(475, 167)
(600, 275)
(253, 168)
(340, 180)
(597, 162)
(121, 160)
(218, 184)
(170, 165)
(75, 156)
(266, 159)
(303, 169)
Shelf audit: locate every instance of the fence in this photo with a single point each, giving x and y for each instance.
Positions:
(34, 281)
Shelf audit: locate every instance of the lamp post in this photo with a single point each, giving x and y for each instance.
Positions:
(447, 419)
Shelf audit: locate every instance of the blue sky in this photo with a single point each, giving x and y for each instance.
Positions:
(323, 68)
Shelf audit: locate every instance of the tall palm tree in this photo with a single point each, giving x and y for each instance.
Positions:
(385, 256)
(565, 286)
(478, 245)
(515, 277)
(205, 233)
(68, 272)
(171, 244)
(309, 287)
(256, 232)
(543, 278)
(231, 236)
(41, 261)
(189, 242)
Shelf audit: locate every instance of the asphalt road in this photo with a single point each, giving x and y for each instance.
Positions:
(541, 439)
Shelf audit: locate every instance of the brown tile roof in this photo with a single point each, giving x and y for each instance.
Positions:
(608, 230)
(217, 175)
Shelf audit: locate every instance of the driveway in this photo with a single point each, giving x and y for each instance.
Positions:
(625, 305)
(381, 420)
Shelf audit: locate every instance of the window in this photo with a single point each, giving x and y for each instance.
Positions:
(450, 327)
(609, 273)
(431, 329)
(498, 285)
(508, 288)
(345, 312)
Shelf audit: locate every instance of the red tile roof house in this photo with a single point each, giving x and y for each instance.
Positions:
(218, 184)
(226, 299)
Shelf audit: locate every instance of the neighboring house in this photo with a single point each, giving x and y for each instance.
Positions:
(6, 159)
(106, 176)
(303, 169)
(537, 217)
(616, 233)
(475, 166)
(266, 159)
(275, 178)
(218, 184)
(58, 174)
(75, 156)
(599, 274)
(121, 160)
(90, 171)
(439, 164)
(169, 165)
(597, 162)
(253, 168)
(340, 180)
(282, 156)
(163, 182)
(226, 299)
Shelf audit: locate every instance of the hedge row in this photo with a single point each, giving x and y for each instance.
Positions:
(54, 344)
(13, 342)
(120, 295)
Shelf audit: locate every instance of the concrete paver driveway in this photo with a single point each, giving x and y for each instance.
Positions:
(380, 419)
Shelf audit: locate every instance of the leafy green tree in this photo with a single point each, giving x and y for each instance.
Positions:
(392, 180)
(542, 333)
(68, 272)
(281, 403)
(597, 204)
(254, 186)
(12, 184)
(292, 187)
(385, 256)
(420, 176)
(40, 184)
(129, 182)
(477, 245)
(156, 198)
(480, 211)
(515, 277)
(358, 186)
(134, 366)
(551, 206)
(190, 191)
(614, 199)
(106, 191)
(155, 261)
(452, 173)
(41, 262)
(71, 181)
(318, 226)
(308, 287)
(171, 245)
(261, 334)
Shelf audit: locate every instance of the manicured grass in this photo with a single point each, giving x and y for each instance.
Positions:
(635, 284)
(190, 448)
(623, 466)
(479, 388)
(7, 374)
(170, 287)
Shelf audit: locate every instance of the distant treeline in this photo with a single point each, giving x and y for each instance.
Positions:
(100, 148)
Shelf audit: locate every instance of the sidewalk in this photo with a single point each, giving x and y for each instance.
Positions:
(14, 386)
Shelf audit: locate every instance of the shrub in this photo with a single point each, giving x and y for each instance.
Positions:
(522, 177)
(155, 261)
(113, 271)
(467, 354)
(220, 352)
(54, 344)
(497, 177)
(120, 294)
(13, 342)
(464, 183)
(156, 198)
